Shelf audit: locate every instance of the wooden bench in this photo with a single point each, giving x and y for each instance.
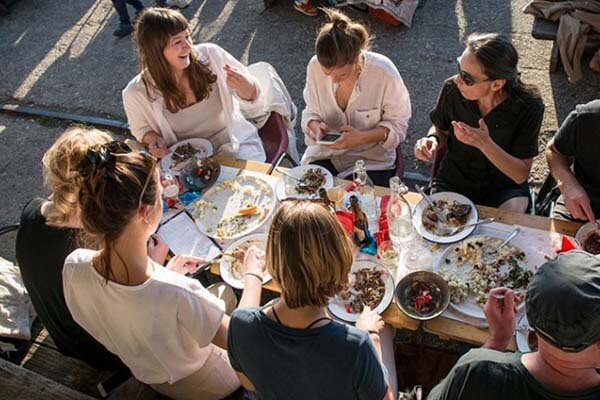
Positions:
(544, 29)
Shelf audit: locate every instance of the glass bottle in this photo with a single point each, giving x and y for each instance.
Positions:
(399, 215)
(366, 190)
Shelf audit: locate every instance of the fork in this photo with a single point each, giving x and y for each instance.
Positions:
(452, 230)
(436, 210)
(516, 292)
(489, 256)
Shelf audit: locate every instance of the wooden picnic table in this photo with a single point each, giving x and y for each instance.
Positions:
(445, 328)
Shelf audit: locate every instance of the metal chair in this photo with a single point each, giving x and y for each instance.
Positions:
(274, 137)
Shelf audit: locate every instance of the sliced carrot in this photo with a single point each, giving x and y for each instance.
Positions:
(248, 210)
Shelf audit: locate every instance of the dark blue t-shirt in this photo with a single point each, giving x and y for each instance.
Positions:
(332, 362)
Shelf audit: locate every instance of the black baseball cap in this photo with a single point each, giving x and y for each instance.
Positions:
(563, 301)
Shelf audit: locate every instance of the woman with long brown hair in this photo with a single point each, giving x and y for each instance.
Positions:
(167, 328)
(489, 120)
(188, 91)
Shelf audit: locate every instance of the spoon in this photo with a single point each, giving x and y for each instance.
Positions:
(284, 172)
(517, 292)
(490, 256)
(436, 210)
(451, 231)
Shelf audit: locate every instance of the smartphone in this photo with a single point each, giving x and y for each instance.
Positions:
(329, 138)
(108, 385)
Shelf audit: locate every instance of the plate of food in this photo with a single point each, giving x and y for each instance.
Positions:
(422, 295)
(369, 284)
(179, 153)
(455, 211)
(233, 258)
(589, 237)
(470, 275)
(525, 336)
(234, 208)
(310, 179)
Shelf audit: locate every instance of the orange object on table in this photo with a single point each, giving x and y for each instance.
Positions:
(346, 218)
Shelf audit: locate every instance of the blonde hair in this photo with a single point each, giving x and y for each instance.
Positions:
(308, 253)
(341, 40)
(59, 167)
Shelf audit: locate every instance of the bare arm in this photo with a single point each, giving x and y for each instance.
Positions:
(576, 199)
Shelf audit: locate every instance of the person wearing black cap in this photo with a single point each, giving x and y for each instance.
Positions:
(563, 306)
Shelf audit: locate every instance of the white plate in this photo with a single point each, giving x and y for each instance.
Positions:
(224, 200)
(298, 172)
(227, 274)
(521, 335)
(432, 237)
(583, 232)
(205, 149)
(469, 306)
(336, 304)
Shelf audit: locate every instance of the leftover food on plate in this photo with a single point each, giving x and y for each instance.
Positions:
(238, 254)
(184, 152)
(422, 298)
(591, 244)
(310, 181)
(365, 288)
(466, 272)
(234, 207)
(454, 214)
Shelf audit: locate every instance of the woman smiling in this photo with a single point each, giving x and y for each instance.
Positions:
(185, 91)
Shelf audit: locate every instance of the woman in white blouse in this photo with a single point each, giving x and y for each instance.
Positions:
(167, 328)
(185, 91)
(357, 93)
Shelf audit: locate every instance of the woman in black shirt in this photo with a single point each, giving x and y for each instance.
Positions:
(47, 234)
(490, 122)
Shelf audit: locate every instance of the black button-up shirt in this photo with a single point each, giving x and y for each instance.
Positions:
(514, 125)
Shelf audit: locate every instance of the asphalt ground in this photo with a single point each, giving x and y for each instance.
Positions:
(61, 55)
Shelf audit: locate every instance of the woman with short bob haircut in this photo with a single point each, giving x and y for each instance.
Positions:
(358, 93)
(186, 91)
(293, 349)
(490, 121)
(167, 328)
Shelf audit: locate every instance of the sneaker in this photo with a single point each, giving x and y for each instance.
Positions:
(306, 8)
(123, 30)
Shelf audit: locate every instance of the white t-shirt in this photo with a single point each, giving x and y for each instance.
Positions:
(160, 329)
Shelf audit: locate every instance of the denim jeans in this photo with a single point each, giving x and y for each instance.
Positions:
(121, 7)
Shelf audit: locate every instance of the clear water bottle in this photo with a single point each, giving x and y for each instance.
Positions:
(366, 189)
(399, 215)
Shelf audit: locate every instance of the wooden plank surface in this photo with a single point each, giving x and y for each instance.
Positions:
(65, 370)
(18, 383)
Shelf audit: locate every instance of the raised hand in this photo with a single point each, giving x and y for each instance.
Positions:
(239, 82)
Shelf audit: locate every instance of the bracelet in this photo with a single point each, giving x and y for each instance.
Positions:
(374, 333)
(260, 278)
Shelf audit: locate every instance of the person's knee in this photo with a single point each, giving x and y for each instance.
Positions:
(516, 204)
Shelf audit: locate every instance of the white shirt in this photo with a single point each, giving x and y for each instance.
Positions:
(146, 114)
(379, 98)
(160, 329)
(187, 125)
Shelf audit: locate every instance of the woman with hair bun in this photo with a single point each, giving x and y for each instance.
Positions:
(490, 121)
(167, 328)
(47, 234)
(357, 93)
(186, 91)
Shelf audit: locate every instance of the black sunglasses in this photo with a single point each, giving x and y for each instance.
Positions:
(466, 77)
(568, 349)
